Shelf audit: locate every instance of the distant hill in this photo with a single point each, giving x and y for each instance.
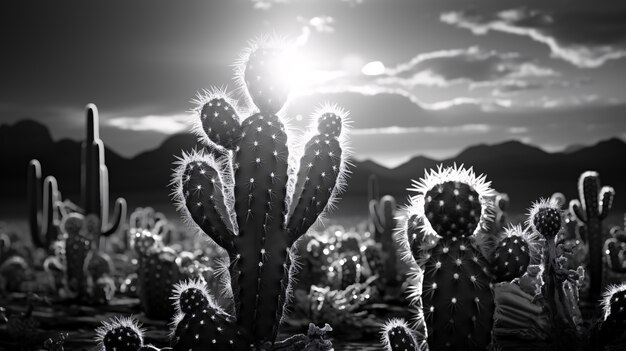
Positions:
(523, 171)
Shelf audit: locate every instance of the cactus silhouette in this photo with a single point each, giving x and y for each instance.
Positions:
(397, 336)
(592, 208)
(256, 201)
(382, 225)
(43, 206)
(442, 220)
(121, 334)
(95, 178)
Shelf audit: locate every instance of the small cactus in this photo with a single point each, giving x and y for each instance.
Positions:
(397, 336)
(592, 208)
(159, 269)
(121, 334)
(80, 241)
(615, 250)
(200, 324)
(513, 253)
(614, 319)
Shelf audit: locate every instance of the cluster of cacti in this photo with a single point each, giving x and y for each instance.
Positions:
(256, 201)
(382, 224)
(87, 271)
(592, 208)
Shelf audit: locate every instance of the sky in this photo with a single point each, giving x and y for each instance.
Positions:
(419, 77)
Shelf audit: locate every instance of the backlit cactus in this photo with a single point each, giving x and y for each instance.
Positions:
(256, 201)
(382, 225)
(121, 334)
(397, 336)
(559, 288)
(592, 208)
(513, 253)
(95, 178)
(43, 207)
(613, 324)
(456, 290)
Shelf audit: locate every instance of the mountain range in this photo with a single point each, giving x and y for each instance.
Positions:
(523, 171)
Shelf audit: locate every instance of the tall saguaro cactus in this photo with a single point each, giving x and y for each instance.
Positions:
(592, 208)
(95, 178)
(256, 201)
(43, 199)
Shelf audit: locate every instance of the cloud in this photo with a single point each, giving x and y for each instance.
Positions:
(449, 67)
(268, 4)
(162, 124)
(585, 39)
(466, 128)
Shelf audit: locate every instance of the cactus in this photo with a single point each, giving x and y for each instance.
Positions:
(121, 334)
(348, 270)
(397, 336)
(546, 219)
(615, 249)
(382, 225)
(442, 221)
(253, 202)
(95, 178)
(614, 318)
(513, 253)
(43, 208)
(80, 241)
(592, 208)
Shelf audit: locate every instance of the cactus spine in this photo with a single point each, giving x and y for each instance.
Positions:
(613, 323)
(95, 178)
(443, 218)
(382, 225)
(243, 201)
(592, 208)
(43, 200)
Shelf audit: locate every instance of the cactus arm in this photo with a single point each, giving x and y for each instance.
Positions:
(218, 120)
(119, 217)
(375, 218)
(34, 189)
(606, 201)
(202, 188)
(322, 172)
(576, 209)
(321, 178)
(260, 192)
(373, 192)
(50, 218)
